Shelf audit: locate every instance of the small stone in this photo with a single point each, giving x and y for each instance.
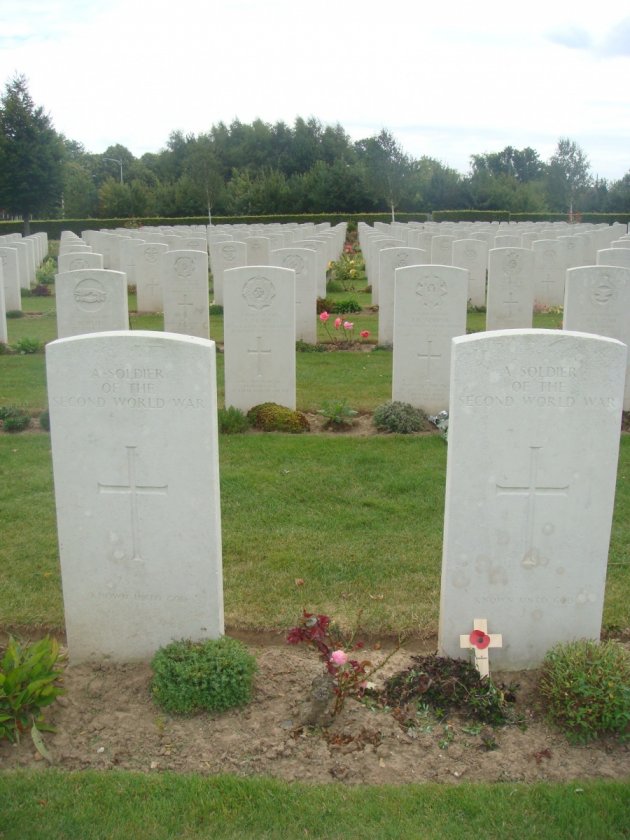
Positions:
(154, 765)
(100, 750)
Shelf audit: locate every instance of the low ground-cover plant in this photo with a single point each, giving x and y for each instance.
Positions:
(213, 675)
(14, 418)
(15, 313)
(45, 274)
(29, 681)
(44, 420)
(271, 417)
(445, 684)
(586, 687)
(233, 421)
(41, 290)
(399, 417)
(338, 414)
(26, 346)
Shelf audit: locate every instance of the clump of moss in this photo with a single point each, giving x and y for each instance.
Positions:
(271, 417)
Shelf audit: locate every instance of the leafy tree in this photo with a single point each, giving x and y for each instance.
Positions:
(388, 168)
(522, 164)
(618, 199)
(202, 167)
(569, 175)
(31, 155)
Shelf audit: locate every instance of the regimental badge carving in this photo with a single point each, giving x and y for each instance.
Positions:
(184, 266)
(295, 262)
(151, 253)
(604, 290)
(512, 264)
(432, 290)
(229, 253)
(90, 294)
(259, 292)
(401, 259)
(470, 252)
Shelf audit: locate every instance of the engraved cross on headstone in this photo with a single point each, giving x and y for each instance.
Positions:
(184, 306)
(259, 352)
(531, 491)
(133, 490)
(428, 356)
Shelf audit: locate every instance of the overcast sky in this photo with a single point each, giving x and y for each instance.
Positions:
(448, 78)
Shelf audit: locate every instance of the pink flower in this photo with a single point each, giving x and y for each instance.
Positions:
(348, 325)
(324, 316)
(364, 333)
(339, 657)
(337, 323)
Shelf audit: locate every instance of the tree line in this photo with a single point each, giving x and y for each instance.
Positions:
(262, 168)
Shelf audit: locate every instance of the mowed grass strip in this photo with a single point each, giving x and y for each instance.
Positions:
(52, 805)
(358, 520)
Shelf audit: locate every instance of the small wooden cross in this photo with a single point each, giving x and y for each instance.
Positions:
(479, 640)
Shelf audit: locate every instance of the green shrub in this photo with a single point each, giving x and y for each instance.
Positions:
(26, 346)
(342, 307)
(44, 420)
(232, 421)
(338, 414)
(216, 309)
(334, 286)
(214, 675)
(28, 683)
(305, 347)
(14, 419)
(41, 290)
(15, 313)
(400, 417)
(45, 274)
(586, 687)
(324, 305)
(271, 417)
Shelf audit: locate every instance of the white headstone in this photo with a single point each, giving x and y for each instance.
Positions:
(429, 310)
(134, 443)
(510, 301)
(91, 300)
(11, 279)
(4, 333)
(259, 336)
(148, 266)
(224, 255)
(185, 290)
(614, 256)
(549, 271)
(72, 261)
(529, 488)
(391, 259)
(472, 254)
(304, 262)
(597, 300)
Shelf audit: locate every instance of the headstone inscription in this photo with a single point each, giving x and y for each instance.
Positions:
(529, 506)
(510, 301)
(135, 461)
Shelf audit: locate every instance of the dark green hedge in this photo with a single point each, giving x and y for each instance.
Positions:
(506, 216)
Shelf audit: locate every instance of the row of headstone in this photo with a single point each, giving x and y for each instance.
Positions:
(553, 249)
(528, 505)
(20, 257)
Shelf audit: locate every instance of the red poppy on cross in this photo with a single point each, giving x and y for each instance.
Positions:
(479, 641)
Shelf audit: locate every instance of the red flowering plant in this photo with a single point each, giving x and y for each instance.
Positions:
(349, 676)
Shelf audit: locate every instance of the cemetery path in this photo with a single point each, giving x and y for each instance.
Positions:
(108, 720)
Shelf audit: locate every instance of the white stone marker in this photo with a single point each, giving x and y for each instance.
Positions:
(549, 271)
(530, 487)
(224, 255)
(304, 262)
(429, 310)
(11, 278)
(597, 300)
(259, 336)
(510, 301)
(4, 333)
(258, 250)
(185, 290)
(472, 254)
(91, 300)
(390, 259)
(148, 267)
(135, 458)
(614, 256)
(72, 261)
